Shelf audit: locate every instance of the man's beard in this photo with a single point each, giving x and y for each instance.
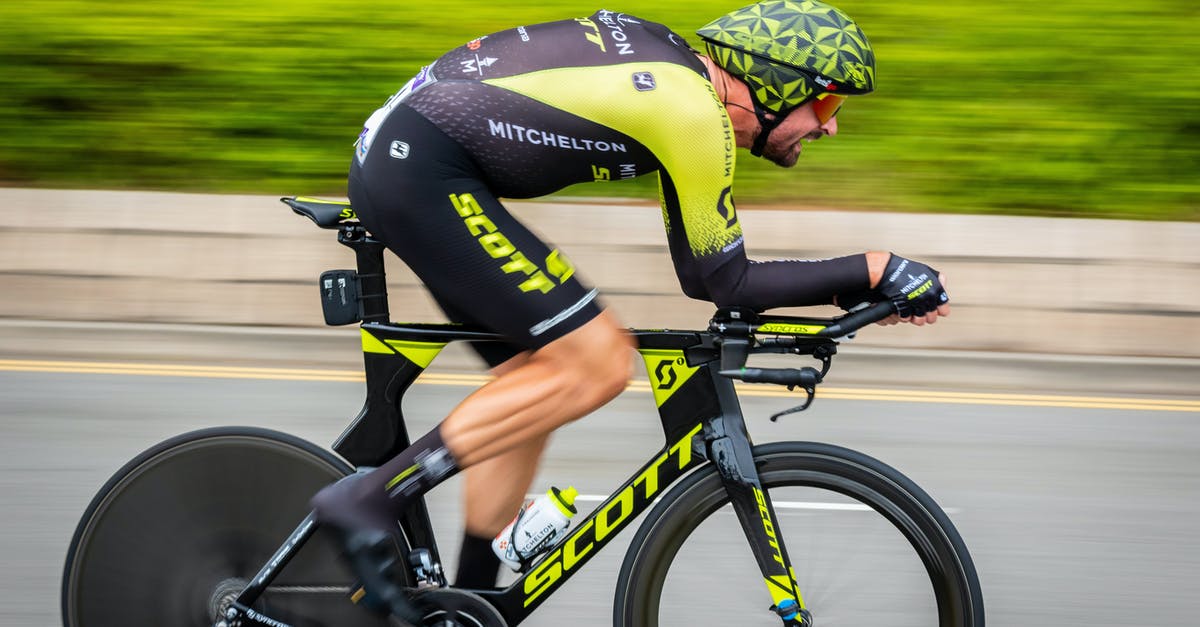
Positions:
(781, 154)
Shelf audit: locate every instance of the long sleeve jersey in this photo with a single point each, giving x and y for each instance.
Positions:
(607, 97)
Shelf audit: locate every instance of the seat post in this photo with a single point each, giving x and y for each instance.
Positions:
(372, 277)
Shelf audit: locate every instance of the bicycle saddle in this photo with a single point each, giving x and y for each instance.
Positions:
(327, 214)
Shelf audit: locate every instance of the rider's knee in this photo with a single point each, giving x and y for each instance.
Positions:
(612, 375)
(598, 356)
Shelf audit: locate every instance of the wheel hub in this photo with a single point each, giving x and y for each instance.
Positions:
(223, 596)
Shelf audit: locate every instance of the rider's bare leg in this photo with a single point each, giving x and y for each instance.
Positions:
(557, 384)
(560, 382)
(493, 492)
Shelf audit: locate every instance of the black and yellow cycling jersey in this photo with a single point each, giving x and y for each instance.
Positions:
(610, 96)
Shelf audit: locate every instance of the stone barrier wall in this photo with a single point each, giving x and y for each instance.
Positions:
(1081, 287)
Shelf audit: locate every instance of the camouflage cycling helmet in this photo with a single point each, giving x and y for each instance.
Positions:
(789, 52)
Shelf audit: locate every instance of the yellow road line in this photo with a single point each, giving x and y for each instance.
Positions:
(169, 370)
(475, 380)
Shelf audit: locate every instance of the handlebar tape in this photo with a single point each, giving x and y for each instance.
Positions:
(854, 321)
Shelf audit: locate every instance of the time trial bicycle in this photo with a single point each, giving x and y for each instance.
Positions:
(212, 527)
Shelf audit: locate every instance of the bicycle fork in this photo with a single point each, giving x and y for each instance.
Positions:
(729, 447)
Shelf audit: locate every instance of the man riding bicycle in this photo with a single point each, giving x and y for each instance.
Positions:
(530, 110)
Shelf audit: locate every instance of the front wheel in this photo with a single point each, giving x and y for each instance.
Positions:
(174, 536)
(867, 545)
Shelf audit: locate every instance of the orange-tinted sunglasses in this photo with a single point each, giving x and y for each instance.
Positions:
(827, 105)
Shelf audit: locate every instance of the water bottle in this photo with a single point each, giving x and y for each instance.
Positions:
(536, 527)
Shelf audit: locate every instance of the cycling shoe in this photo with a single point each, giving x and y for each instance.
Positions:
(373, 558)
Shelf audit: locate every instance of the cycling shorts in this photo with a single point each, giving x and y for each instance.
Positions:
(422, 195)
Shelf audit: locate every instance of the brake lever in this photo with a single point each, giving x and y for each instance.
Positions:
(810, 391)
(825, 355)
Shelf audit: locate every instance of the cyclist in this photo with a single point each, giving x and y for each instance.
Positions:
(527, 111)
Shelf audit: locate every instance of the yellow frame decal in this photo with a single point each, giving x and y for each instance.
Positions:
(371, 344)
(420, 353)
(668, 371)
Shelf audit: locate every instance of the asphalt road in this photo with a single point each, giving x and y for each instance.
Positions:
(1083, 513)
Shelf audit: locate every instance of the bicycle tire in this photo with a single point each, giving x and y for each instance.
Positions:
(905, 506)
(189, 520)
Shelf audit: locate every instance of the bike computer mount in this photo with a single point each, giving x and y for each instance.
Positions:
(738, 332)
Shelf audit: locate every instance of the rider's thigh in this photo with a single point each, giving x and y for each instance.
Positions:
(435, 209)
(599, 355)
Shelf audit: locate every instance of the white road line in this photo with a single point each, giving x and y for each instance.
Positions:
(797, 505)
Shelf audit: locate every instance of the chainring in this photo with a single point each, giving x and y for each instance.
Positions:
(446, 607)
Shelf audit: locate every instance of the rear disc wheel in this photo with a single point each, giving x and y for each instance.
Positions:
(173, 534)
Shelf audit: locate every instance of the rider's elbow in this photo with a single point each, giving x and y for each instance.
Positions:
(693, 287)
(724, 288)
(726, 295)
(736, 296)
(714, 292)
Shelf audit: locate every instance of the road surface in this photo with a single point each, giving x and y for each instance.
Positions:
(1077, 511)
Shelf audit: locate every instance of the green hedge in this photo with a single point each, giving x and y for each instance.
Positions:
(1072, 107)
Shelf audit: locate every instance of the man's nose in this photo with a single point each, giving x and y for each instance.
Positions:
(831, 127)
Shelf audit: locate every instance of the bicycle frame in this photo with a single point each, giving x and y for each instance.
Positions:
(702, 423)
(698, 407)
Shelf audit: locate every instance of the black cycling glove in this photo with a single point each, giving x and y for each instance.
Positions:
(912, 286)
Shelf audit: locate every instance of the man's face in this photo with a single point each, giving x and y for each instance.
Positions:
(801, 125)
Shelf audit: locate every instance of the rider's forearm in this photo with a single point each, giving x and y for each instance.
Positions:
(877, 260)
(787, 283)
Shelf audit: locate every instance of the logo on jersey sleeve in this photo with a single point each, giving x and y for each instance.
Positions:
(643, 81)
(726, 209)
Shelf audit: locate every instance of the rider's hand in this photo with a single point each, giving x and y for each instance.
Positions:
(924, 308)
(915, 305)
(916, 289)
(929, 318)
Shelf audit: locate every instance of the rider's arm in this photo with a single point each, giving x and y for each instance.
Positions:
(764, 285)
(707, 248)
(695, 147)
(696, 150)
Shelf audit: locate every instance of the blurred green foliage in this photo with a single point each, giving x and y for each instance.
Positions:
(1072, 107)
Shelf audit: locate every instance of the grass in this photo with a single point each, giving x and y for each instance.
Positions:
(1072, 108)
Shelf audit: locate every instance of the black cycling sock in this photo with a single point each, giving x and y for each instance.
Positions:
(376, 499)
(478, 566)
